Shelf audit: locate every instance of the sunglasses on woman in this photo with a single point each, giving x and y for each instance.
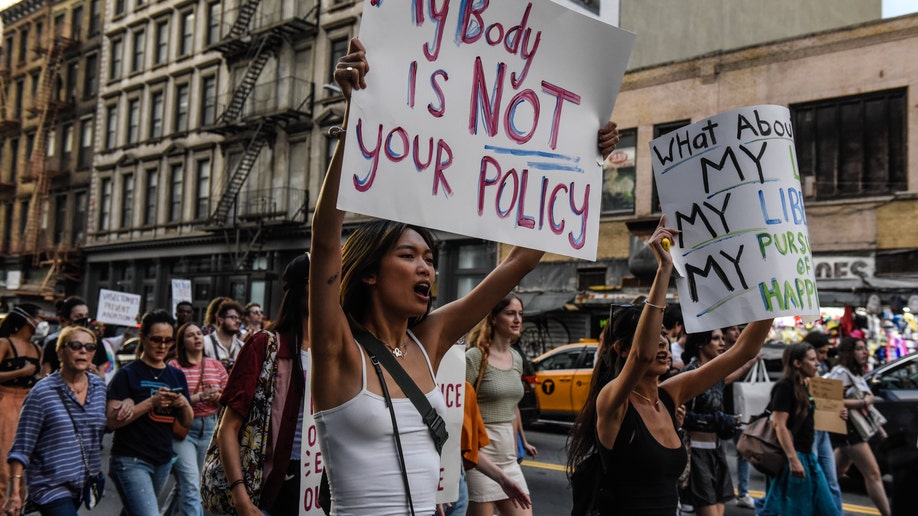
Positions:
(77, 346)
(161, 341)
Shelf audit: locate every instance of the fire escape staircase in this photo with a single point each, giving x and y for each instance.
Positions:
(261, 55)
(54, 53)
(238, 177)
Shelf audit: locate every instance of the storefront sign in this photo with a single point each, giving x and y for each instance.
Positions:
(480, 119)
(844, 267)
(730, 184)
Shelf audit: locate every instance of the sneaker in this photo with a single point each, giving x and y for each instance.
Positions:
(746, 502)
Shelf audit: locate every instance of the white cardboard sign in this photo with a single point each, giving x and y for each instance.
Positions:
(730, 183)
(311, 464)
(119, 308)
(480, 118)
(451, 379)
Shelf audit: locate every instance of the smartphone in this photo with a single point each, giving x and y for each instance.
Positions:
(176, 389)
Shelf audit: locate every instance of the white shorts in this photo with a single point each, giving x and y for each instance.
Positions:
(502, 452)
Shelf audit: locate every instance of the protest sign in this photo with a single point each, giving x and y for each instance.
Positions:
(120, 308)
(829, 399)
(311, 465)
(451, 379)
(480, 118)
(730, 183)
(181, 291)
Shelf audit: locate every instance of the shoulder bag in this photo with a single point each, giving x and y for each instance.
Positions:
(93, 483)
(869, 425)
(254, 437)
(379, 354)
(760, 447)
(180, 431)
(752, 395)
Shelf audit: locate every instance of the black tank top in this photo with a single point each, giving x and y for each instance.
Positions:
(16, 363)
(642, 472)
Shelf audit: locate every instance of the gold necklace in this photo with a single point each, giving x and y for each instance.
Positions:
(652, 402)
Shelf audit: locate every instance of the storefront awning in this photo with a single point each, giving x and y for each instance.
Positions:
(535, 303)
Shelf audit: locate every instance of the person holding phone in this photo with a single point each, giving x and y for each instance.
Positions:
(145, 398)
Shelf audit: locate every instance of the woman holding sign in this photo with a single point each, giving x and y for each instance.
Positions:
(380, 285)
(629, 419)
(801, 488)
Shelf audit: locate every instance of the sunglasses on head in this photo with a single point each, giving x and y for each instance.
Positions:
(77, 346)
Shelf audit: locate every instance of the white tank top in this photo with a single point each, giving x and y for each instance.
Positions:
(360, 457)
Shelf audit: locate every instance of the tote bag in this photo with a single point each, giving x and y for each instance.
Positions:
(751, 396)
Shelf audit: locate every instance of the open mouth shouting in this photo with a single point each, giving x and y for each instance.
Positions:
(422, 290)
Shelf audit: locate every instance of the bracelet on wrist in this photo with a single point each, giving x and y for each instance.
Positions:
(337, 131)
(236, 483)
(661, 308)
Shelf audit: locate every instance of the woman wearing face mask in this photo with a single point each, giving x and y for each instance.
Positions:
(19, 367)
(851, 448)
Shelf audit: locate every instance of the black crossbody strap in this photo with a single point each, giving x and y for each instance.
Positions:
(398, 440)
(373, 346)
(75, 430)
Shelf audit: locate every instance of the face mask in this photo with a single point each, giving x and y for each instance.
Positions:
(41, 331)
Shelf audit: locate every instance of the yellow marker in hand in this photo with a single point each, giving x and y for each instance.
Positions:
(665, 243)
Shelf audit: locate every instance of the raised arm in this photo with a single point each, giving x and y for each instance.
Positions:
(610, 404)
(328, 329)
(686, 386)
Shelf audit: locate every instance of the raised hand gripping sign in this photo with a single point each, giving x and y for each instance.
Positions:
(480, 118)
(730, 183)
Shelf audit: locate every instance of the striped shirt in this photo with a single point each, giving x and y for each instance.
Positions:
(45, 442)
(215, 375)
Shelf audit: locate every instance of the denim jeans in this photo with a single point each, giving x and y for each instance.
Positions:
(822, 447)
(185, 498)
(138, 483)
(742, 469)
(461, 505)
(66, 506)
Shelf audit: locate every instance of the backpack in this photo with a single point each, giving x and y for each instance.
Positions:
(589, 487)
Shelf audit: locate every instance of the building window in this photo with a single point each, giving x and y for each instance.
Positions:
(73, 70)
(14, 159)
(137, 56)
(76, 25)
(85, 157)
(181, 108)
(852, 146)
(23, 216)
(105, 204)
(149, 213)
(471, 262)
(591, 277)
(23, 45)
(162, 41)
(78, 224)
(111, 127)
(67, 143)
(157, 107)
(17, 104)
(8, 52)
(95, 17)
(658, 131)
(90, 82)
(127, 201)
(133, 120)
(186, 43)
(117, 49)
(202, 206)
(176, 179)
(7, 227)
(338, 50)
(213, 23)
(209, 107)
(619, 175)
(60, 217)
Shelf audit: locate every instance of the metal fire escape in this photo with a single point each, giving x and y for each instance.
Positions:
(255, 37)
(46, 106)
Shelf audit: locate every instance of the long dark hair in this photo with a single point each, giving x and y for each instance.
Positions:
(294, 308)
(791, 354)
(21, 316)
(693, 344)
(360, 257)
(181, 352)
(623, 321)
(846, 355)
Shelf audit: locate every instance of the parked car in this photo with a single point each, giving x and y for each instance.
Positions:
(895, 386)
(561, 380)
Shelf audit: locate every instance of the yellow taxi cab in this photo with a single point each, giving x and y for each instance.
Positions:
(562, 379)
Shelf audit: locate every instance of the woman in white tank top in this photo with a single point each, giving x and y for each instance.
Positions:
(383, 278)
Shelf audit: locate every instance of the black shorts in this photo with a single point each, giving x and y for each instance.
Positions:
(709, 482)
(849, 439)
